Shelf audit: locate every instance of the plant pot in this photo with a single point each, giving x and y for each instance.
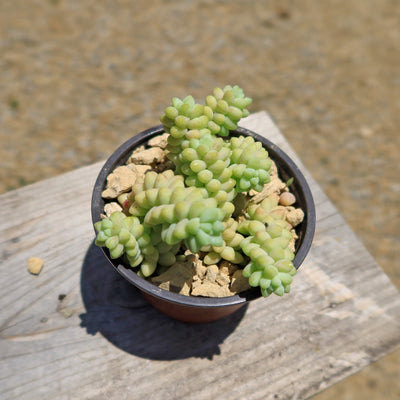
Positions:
(206, 309)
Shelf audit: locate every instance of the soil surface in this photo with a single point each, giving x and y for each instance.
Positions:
(79, 78)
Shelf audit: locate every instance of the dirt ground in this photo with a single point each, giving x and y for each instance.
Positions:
(77, 78)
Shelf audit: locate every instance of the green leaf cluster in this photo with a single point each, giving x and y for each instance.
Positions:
(192, 206)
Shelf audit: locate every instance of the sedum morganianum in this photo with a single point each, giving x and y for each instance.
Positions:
(194, 204)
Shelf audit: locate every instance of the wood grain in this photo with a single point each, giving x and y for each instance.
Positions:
(79, 331)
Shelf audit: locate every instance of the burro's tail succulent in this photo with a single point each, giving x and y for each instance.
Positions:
(266, 243)
(192, 206)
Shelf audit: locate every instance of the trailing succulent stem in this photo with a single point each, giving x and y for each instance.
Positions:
(196, 206)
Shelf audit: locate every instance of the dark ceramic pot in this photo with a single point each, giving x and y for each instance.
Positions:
(206, 309)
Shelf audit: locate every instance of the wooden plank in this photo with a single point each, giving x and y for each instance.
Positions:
(103, 341)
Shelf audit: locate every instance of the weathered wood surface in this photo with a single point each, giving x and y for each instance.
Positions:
(103, 341)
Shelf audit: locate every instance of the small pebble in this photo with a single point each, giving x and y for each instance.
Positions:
(159, 141)
(109, 208)
(211, 274)
(287, 199)
(35, 265)
(67, 312)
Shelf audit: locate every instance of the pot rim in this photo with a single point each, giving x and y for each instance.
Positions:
(121, 155)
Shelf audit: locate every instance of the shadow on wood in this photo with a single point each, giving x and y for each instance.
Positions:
(117, 310)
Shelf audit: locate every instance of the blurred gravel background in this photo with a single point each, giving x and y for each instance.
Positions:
(77, 78)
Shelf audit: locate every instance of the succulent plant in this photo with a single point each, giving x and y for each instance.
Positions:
(195, 205)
